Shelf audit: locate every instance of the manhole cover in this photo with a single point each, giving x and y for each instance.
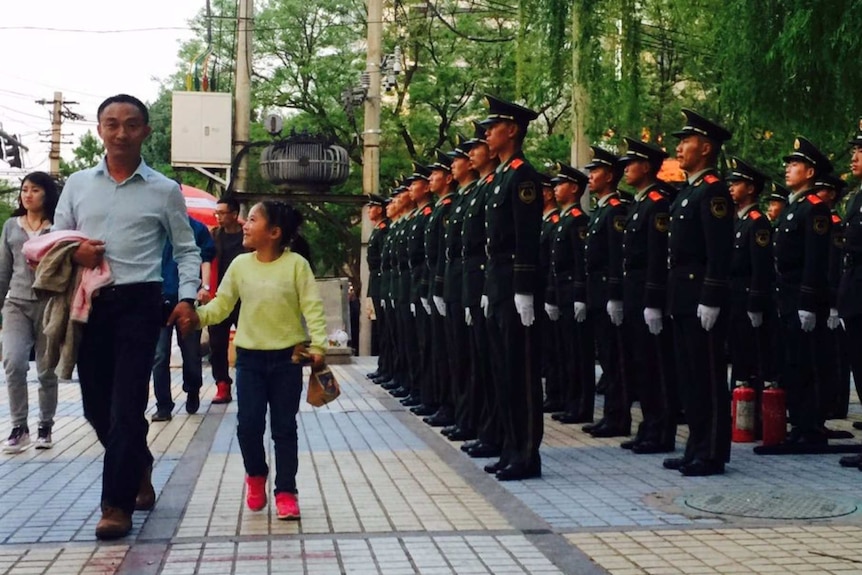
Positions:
(770, 504)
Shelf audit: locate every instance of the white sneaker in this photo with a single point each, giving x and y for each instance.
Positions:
(43, 438)
(18, 441)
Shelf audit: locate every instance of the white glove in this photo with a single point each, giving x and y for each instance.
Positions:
(756, 318)
(485, 305)
(383, 304)
(807, 319)
(580, 311)
(524, 306)
(440, 305)
(426, 305)
(392, 303)
(832, 322)
(615, 311)
(468, 317)
(708, 316)
(653, 319)
(552, 311)
(413, 309)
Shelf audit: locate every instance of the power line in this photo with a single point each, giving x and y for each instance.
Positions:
(21, 113)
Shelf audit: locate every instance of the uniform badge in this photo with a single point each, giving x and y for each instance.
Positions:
(527, 192)
(761, 238)
(821, 224)
(718, 207)
(662, 223)
(582, 232)
(619, 223)
(796, 144)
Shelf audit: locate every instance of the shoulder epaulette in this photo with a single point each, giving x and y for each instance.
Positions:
(516, 163)
(382, 225)
(554, 218)
(655, 195)
(446, 201)
(755, 215)
(489, 178)
(614, 202)
(576, 212)
(836, 219)
(426, 210)
(813, 199)
(710, 178)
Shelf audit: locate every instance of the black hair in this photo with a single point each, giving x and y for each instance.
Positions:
(124, 99)
(52, 194)
(284, 216)
(230, 202)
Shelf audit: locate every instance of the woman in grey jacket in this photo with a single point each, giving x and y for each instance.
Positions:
(22, 313)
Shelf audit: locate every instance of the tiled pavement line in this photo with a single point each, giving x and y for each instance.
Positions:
(553, 545)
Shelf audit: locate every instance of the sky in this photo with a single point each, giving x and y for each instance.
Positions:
(41, 55)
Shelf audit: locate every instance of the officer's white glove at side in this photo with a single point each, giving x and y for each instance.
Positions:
(708, 316)
(552, 311)
(833, 321)
(425, 304)
(468, 317)
(383, 304)
(807, 319)
(653, 319)
(580, 311)
(440, 305)
(413, 309)
(485, 304)
(615, 311)
(391, 304)
(756, 318)
(524, 307)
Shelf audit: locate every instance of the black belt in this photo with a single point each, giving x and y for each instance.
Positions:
(127, 291)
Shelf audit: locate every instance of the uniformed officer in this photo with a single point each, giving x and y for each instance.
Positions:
(604, 257)
(374, 257)
(700, 243)
(547, 321)
(475, 259)
(776, 202)
(801, 244)
(752, 278)
(850, 288)
(513, 219)
(648, 338)
(573, 345)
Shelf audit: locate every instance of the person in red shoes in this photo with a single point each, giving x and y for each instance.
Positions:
(228, 242)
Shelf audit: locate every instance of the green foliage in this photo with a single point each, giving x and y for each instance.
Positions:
(88, 153)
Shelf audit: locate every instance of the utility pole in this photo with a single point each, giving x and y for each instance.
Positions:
(60, 111)
(370, 152)
(242, 89)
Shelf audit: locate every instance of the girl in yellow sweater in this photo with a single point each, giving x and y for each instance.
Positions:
(277, 290)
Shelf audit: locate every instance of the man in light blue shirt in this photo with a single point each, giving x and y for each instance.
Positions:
(128, 211)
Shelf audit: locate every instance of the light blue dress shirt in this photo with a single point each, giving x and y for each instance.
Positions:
(133, 218)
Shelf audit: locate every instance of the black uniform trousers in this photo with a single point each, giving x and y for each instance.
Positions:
(458, 344)
(437, 391)
(839, 395)
(516, 364)
(650, 367)
(409, 342)
(483, 391)
(702, 377)
(115, 359)
(853, 343)
(399, 367)
(552, 370)
(576, 356)
(608, 338)
(381, 338)
(424, 370)
(751, 353)
(806, 375)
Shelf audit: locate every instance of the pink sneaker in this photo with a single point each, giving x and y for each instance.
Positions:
(287, 506)
(255, 496)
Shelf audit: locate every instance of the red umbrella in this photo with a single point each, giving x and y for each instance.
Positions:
(200, 205)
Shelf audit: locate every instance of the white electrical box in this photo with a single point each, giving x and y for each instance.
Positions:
(201, 129)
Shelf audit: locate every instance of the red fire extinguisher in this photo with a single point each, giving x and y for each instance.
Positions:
(774, 415)
(742, 412)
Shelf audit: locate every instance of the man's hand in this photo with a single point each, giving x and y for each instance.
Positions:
(184, 317)
(317, 361)
(204, 296)
(89, 254)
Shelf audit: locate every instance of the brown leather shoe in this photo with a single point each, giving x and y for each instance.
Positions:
(115, 523)
(146, 497)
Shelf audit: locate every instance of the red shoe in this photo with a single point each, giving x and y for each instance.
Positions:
(222, 392)
(286, 506)
(255, 496)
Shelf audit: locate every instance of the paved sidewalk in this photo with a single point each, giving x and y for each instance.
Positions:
(383, 493)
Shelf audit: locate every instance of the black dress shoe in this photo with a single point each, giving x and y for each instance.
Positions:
(568, 417)
(411, 401)
(645, 447)
(468, 445)
(400, 392)
(162, 415)
(373, 374)
(552, 407)
(391, 384)
(449, 429)
(439, 420)
(702, 468)
(857, 425)
(462, 434)
(674, 463)
(851, 460)
(588, 428)
(484, 450)
(629, 443)
(423, 410)
(611, 431)
(495, 466)
(193, 402)
(519, 471)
